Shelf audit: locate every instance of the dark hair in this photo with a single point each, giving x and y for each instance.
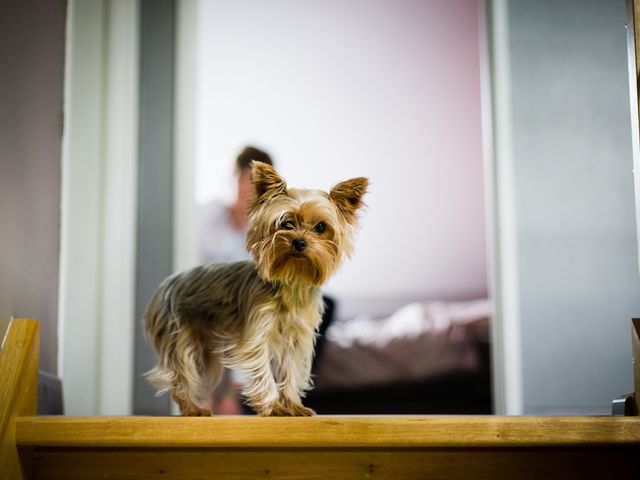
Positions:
(250, 154)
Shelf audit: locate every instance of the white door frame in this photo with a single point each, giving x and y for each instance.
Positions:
(506, 350)
(185, 254)
(499, 184)
(99, 177)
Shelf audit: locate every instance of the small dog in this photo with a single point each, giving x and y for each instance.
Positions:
(259, 317)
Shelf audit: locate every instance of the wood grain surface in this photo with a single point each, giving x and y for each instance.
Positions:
(18, 390)
(323, 431)
(402, 464)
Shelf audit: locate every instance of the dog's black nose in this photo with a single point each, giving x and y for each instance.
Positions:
(299, 244)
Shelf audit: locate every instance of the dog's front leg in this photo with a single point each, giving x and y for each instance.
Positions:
(260, 388)
(293, 370)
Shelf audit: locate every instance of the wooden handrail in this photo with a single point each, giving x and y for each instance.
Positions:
(18, 388)
(327, 432)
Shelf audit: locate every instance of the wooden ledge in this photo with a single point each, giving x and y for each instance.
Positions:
(327, 432)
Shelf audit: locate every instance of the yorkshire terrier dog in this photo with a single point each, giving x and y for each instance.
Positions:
(258, 317)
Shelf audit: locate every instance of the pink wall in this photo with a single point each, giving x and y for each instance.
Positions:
(32, 40)
(386, 89)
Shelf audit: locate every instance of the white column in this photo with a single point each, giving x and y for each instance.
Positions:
(98, 207)
(506, 341)
(185, 226)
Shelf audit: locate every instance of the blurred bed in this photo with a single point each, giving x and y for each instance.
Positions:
(424, 358)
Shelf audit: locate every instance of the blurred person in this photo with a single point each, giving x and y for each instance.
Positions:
(223, 228)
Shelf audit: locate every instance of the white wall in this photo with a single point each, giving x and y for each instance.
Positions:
(385, 89)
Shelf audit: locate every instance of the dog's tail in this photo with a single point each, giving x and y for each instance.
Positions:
(162, 327)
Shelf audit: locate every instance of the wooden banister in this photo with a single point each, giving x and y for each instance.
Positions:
(317, 447)
(18, 389)
(326, 432)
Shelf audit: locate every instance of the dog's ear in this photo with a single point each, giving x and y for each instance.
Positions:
(347, 196)
(266, 182)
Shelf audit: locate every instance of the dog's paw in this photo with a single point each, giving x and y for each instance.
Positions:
(292, 410)
(274, 410)
(299, 410)
(286, 410)
(196, 412)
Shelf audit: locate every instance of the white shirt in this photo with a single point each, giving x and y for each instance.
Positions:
(219, 240)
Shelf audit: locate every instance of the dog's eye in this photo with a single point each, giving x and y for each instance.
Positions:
(320, 228)
(287, 225)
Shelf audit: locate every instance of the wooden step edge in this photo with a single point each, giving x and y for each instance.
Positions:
(327, 432)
